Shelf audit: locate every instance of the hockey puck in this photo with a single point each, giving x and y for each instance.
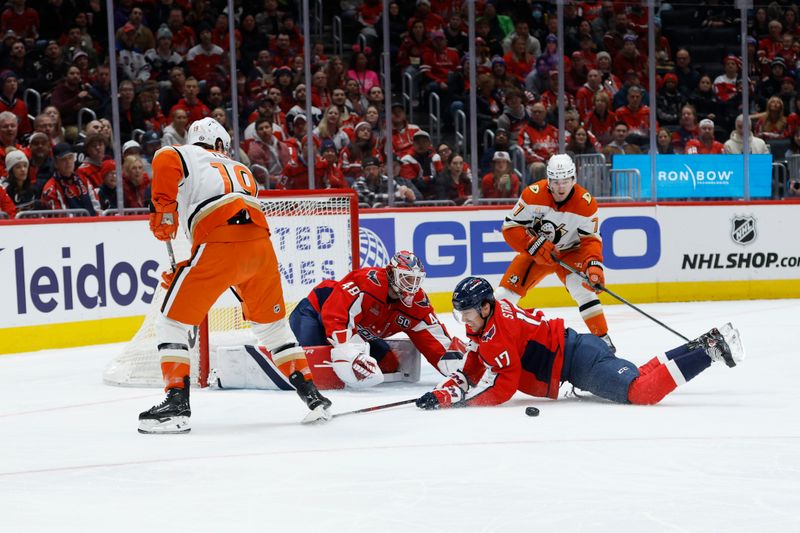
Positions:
(532, 411)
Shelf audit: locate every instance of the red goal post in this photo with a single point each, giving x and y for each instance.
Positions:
(315, 235)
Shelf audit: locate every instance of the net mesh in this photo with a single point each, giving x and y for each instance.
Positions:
(312, 237)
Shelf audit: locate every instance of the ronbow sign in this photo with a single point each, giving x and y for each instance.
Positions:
(701, 176)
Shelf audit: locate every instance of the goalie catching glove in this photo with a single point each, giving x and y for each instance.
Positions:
(449, 393)
(354, 366)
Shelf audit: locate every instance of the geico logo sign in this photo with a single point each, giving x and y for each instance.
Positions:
(697, 177)
(87, 285)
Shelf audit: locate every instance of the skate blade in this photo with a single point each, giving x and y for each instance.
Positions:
(176, 424)
(318, 415)
(734, 341)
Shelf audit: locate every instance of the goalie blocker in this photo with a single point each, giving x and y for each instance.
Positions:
(251, 367)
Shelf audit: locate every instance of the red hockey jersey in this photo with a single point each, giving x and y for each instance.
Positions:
(359, 303)
(518, 350)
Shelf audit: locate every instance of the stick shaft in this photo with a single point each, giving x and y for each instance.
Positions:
(375, 408)
(603, 288)
(171, 253)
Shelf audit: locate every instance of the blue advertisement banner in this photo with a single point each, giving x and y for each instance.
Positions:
(701, 176)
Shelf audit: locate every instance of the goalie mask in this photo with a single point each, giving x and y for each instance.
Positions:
(209, 131)
(406, 274)
(560, 176)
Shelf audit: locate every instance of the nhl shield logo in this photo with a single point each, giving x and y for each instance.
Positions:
(743, 229)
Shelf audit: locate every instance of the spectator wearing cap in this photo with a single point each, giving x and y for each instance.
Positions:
(51, 68)
(630, 58)
(107, 191)
(772, 43)
(735, 143)
(8, 135)
(267, 151)
(203, 58)
(519, 62)
(328, 165)
(550, 53)
(503, 81)
(502, 143)
(771, 85)
(503, 181)
(94, 150)
(163, 57)
(66, 189)
(611, 81)
(191, 103)
(438, 64)
(151, 143)
(728, 89)
(40, 157)
(363, 145)
(9, 85)
(705, 143)
(372, 185)
(402, 132)
(538, 140)
(135, 183)
(421, 165)
(431, 21)
(131, 148)
(454, 182)
(20, 188)
(669, 101)
(772, 123)
(522, 30)
(175, 131)
(131, 60)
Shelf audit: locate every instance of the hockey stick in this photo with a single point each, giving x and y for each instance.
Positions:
(601, 287)
(171, 253)
(375, 408)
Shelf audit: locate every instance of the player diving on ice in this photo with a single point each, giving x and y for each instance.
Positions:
(212, 197)
(557, 217)
(513, 349)
(345, 326)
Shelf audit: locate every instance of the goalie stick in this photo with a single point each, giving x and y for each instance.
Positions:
(601, 287)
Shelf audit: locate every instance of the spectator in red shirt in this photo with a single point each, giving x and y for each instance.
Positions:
(332, 174)
(9, 86)
(635, 114)
(584, 97)
(220, 35)
(600, 120)
(438, 62)
(402, 132)
(136, 182)
(183, 37)
(629, 58)
(190, 101)
(705, 143)
(539, 140)
(94, 150)
(22, 20)
(204, 58)
(430, 20)
(687, 130)
(773, 43)
(519, 62)
(267, 151)
(503, 181)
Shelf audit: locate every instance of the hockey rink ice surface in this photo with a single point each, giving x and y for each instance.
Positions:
(722, 453)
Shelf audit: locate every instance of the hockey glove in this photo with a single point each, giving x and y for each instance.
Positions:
(449, 393)
(453, 358)
(541, 249)
(594, 274)
(354, 366)
(168, 276)
(164, 222)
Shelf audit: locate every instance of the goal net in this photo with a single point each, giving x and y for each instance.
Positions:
(315, 235)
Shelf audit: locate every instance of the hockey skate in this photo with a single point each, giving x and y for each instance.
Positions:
(723, 344)
(314, 400)
(607, 339)
(171, 415)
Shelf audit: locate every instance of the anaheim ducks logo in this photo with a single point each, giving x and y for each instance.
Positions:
(550, 231)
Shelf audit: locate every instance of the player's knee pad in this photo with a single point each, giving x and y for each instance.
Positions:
(501, 293)
(170, 331)
(275, 336)
(579, 292)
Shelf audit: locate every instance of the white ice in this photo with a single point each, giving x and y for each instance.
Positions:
(721, 453)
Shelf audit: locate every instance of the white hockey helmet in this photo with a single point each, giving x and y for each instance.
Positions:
(406, 274)
(209, 131)
(560, 167)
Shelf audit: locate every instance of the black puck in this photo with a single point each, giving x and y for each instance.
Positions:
(532, 411)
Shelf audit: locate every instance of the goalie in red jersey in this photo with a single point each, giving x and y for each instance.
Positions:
(355, 314)
(514, 349)
(557, 216)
